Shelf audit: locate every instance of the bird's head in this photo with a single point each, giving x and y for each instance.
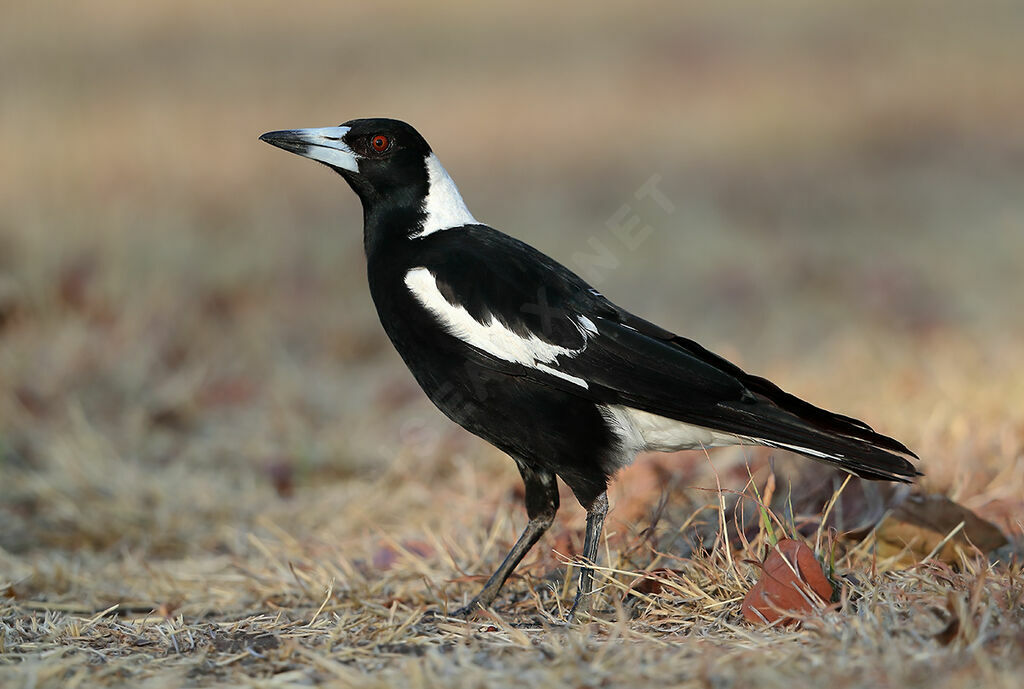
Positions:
(390, 166)
(378, 157)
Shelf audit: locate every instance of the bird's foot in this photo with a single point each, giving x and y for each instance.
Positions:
(580, 610)
(434, 615)
(465, 612)
(473, 607)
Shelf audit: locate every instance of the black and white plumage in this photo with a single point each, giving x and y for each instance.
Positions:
(522, 352)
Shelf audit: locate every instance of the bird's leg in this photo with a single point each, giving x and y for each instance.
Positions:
(595, 525)
(541, 506)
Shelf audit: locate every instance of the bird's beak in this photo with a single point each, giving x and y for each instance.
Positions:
(325, 145)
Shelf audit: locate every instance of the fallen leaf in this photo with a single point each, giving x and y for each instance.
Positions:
(387, 555)
(654, 581)
(917, 527)
(384, 558)
(281, 472)
(792, 585)
(168, 608)
(1004, 513)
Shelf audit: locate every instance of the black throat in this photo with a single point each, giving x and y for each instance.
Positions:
(393, 209)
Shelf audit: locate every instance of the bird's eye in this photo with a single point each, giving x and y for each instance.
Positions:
(380, 143)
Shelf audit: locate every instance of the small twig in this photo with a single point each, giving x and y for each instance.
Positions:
(330, 591)
(942, 544)
(828, 509)
(96, 618)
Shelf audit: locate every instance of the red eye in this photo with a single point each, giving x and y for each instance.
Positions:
(380, 143)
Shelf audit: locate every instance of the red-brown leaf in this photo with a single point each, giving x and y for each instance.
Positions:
(792, 585)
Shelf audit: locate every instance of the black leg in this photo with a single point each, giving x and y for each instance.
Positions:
(595, 525)
(541, 506)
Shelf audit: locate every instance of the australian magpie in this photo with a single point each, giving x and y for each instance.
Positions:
(519, 350)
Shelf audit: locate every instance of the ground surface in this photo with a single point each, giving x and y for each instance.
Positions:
(202, 424)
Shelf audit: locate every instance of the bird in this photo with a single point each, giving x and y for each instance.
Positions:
(519, 350)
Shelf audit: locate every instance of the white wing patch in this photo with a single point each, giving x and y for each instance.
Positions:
(563, 375)
(443, 206)
(491, 337)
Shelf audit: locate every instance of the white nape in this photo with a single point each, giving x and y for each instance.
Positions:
(491, 337)
(443, 207)
(643, 431)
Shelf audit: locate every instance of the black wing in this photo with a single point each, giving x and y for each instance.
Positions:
(628, 361)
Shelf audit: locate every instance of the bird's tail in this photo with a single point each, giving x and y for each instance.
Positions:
(845, 443)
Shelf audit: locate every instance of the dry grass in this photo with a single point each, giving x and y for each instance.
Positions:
(213, 469)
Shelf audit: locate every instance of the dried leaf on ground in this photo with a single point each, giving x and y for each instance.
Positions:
(921, 526)
(792, 585)
(389, 554)
(653, 581)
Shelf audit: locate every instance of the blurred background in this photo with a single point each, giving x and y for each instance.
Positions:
(186, 337)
